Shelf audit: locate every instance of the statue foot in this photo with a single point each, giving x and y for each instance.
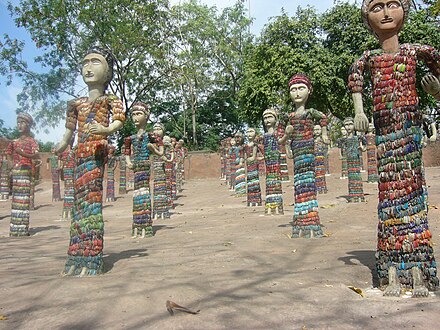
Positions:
(83, 271)
(269, 211)
(162, 216)
(135, 233)
(70, 272)
(419, 288)
(394, 289)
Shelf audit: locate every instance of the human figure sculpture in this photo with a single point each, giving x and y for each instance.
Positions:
(168, 158)
(320, 168)
(272, 141)
(429, 130)
(90, 117)
(221, 151)
(160, 205)
(67, 166)
(35, 179)
(240, 171)
(174, 176)
(180, 159)
(306, 221)
(141, 145)
(111, 166)
(342, 153)
(21, 153)
(370, 138)
(232, 157)
(284, 171)
(122, 173)
(4, 178)
(259, 140)
(53, 162)
(404, 254)
(251, 163)
(354, 145)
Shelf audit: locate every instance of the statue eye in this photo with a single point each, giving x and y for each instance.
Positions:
(377, 8)
(393, 5)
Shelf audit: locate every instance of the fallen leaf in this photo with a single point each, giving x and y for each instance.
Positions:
(433, 207)
(171, 306)
(327, 206)
(288, 236)
(3, 318)
(227, 244)
(357, 290)
(327, 235)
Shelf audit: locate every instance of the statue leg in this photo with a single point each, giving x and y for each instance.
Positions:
(419, 288)
(394, 289)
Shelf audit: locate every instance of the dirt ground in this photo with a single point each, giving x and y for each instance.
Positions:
(238, 267)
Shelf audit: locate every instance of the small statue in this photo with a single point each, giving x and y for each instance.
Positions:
(4, 178)
(168, 158)
(272, 141)
(342, 153)
(240, 172)
(122, 173)
(284, 170)
(54, 161)
(354, 145)
(232, 157)
(160, 205)
(21, 153)
(140, 146)
(404, 254)
(111, 166)
(180, 162)
(174, 176)
(251, 161)
(94, 118)
(306, 221)
(320, 168)
(370, 138)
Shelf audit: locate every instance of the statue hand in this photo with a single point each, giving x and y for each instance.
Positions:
(431, 84)
(98, 129)
(325, 139)
(130, 165)
(433, 138)
(361, 122)
(289, 129)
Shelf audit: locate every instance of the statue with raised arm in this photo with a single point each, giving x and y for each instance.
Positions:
(251, 161)
(94, 118)
(404, 254)
(141, 146)
(306, 221)
(272, 141)
(21, 153)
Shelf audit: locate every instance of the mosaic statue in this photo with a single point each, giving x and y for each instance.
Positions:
(284, 171)
(306, 221)
(221, 151)
(111, 166)
(342, 153)
(90, 117)
(160, 205)
(141, 145)
(320, 168)
(67, 166)
(21, 153)
(354, 145)
(240, 171)
(251, 161)
(232, 157)
(404, 254)
(35, 179)
(180, 159)
(53, 163)
(168, 158)
(4, 178)
(272, 141)
(122, 173)
(173, 178)
(370, 138)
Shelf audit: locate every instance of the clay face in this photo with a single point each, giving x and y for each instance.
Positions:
(385, 16)
(94, 69)
(139, 117)
(317, 131)
(250, 133)
(239, 139)
(299, 93)
(158, 130)
(22, 126)
(370, 127)
(233, 142)
(349, 126)
(167, 140)
(343, 131)
(269, 120)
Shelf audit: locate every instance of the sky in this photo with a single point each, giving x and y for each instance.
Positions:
(260, 10)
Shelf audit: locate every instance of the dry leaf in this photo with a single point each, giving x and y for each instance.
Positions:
(327, 206)
(433, 207)
(3, 318)
(171, 306)
(357, 290)
(327, 235)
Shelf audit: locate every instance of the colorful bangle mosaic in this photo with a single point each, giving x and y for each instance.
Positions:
(320, 170)
(274, 193)
(122, 175)
(110, 192)
(355, 185)
(4, 180)
(69, 190)
(371, 158)
(161, 205)
(253, 180)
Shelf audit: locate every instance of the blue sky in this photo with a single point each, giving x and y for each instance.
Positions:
(260, 10)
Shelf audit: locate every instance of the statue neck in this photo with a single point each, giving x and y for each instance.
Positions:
(141, 131)
(301, 108)
(389, 42)
(95, 91)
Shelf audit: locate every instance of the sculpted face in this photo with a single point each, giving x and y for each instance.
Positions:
(269, 120)
(343, 131)
(385, 16)
(94, 69)
(317, 131)
(370, 127)
(167, 140)
(299, 93)
(139, 117)
(233, 143)
(250, 133)
(158, 130)
(22, 126)
(349, 126)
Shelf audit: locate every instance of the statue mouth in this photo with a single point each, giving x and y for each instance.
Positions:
(386, 20)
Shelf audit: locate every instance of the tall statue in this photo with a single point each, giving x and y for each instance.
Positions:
(370, 138)
(141, 145)
(320, 167)
(67, 166)
(342, 153)
(4, 177)
(272, 141)
(405, 254)
(306, 221)
(251, 161)
(160, 205)
(354, 145)
(232, 157)
(240, 171)
(112, 162)
(284, 170)
(122, 173)
(94, 118)
(168, 158)
(54, 163)
(21, 153)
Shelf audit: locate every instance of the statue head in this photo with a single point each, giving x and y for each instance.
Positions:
(250, 133)
(349, 125)
(239, 138)
(270, 117)
(343, 131)
(233, 142)
(370, 127)
(140, 112)
(111, 149)
(300, 88)
(166, 141)
(173, 141)
(159, 129)
(317, 131)
(24, 123)
(180, 143)
(97, 67)
(384, 16)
